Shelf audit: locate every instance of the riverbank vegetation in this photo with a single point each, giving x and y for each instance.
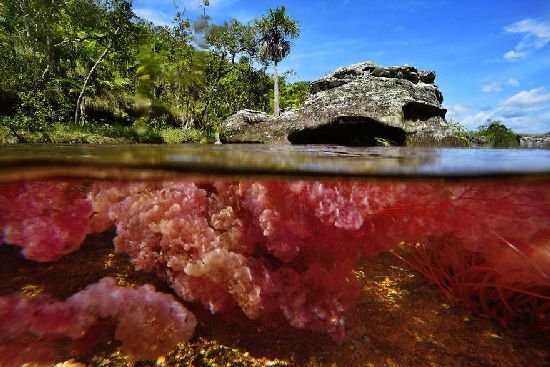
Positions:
(493, 134)
(81, 71)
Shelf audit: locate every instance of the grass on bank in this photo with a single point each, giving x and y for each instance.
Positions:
(13, 132)
(25, 129)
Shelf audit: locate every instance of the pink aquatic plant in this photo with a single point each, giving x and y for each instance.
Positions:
(40, 330)
(239, 244)
(486, 245)
(289, 246)
(273, 249)
(48, 219)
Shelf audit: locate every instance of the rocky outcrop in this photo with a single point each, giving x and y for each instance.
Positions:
(249, 126)
(362, 104)
(534, 141)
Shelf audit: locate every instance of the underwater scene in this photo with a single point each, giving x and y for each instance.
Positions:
(259, 256)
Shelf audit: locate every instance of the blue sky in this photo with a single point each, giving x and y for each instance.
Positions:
(492, 58)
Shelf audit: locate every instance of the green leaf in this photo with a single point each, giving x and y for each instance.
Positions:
(91, 45)
(120, 82)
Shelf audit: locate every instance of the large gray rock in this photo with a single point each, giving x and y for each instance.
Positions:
(361, 104)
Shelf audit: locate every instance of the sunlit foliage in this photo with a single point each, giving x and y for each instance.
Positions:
(86, 63)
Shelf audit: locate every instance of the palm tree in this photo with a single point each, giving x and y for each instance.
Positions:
(274, 29)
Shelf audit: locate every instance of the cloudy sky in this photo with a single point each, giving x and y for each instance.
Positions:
(492, 57)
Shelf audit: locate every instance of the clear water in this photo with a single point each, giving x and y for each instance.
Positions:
(286, 255)
(312, 160)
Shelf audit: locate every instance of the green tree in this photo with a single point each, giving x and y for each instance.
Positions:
(119, 16)
(498, 135)
(230, 47)
(201, 71)
(94, 62)
(274, 30)
(292, 95)
(52, 48)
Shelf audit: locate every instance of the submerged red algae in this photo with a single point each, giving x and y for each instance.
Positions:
(286, 249)
(149, 324)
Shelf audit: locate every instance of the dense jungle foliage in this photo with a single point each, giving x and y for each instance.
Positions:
(91, 71)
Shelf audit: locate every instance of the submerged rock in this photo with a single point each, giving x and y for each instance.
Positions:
(362, 104)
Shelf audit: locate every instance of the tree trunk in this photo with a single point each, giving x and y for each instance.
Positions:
(276, 110)
(44, 73)
(89, 77)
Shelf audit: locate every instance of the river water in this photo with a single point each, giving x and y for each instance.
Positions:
(276, 255)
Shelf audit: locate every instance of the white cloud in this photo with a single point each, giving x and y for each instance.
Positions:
(536, 123)
(492, 87)
(513, 82)
(456, 109)
(473, 121)
(524, 103)
(513, 55)
(527, 111)
(242, 15)
(456, 112)
(154, 16)
(220, 10)
(535, 36)
(527, 98)
(193, 4)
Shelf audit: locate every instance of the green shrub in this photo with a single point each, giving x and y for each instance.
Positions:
(25, 129)
(144, 133)
(6, 136)
(198, 136)
(173, 136)
(88, 134)
(177, 136)
(460, 132)
(498, 135)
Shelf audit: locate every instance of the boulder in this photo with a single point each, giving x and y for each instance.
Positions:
(362, 104)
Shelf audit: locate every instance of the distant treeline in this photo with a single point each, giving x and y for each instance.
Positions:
(92, 71)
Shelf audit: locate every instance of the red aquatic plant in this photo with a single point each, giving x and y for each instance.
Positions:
(259, 247)
(48, 219)
(272, 249)
(289, 246)
(484, 283)
(485, 244)
(41, 330)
